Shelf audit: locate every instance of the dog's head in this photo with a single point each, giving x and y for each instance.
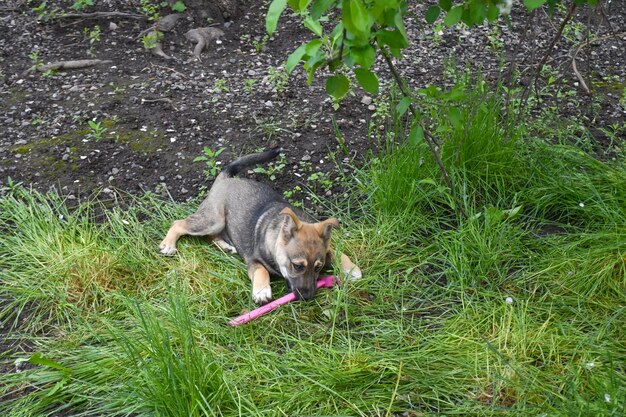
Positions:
(301, 251)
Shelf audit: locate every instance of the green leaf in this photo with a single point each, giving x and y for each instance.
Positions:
(364, 56)
(477, 13)
(295, 5)
(533, 4)
(492, 13)
(303, 4)
(311, 67)
(337, 86)
(457, 93)
(39, 359)
(445, 4)
(396, 52)
(403, 106)
(179, 6)
(320, 7)
(316, 58)
(313, 25)
(273, 14)
(394, 39)
(294, 58)
(453, 16)
(456, 119)
(416, 135)
(360, 17)
(429, 181)
(355, 18)
(399, 23)
(367, 79)
(313, 46)
(432, 13)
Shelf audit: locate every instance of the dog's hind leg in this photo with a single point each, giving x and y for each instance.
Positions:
(225, 246)
(349, 268)
(202, 223)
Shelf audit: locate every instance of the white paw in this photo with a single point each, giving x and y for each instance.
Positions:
(166, 249)
(262, 296)
(353, 273)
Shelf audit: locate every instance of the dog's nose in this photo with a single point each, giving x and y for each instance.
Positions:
(305, 294)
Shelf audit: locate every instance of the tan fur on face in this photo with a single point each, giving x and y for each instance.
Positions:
(302, 243)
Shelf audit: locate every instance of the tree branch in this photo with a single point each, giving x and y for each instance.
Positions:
(430, 139)
(558, 35)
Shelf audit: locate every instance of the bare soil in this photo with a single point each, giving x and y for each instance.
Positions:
(160, 113)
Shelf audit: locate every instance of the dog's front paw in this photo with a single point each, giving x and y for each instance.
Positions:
(262, 296)
(167, 248)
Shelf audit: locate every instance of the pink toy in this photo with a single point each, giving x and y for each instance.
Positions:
(322, 282)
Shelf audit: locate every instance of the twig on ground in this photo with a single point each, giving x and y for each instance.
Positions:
(169, 69)
(99, 15)
(159, 100)
(584, 45)
(65, 65)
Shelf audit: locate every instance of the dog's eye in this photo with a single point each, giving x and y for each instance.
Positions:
(318, 267)
(298, 267)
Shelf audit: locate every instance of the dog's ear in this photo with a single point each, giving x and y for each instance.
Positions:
(326, 227)
(291, 223)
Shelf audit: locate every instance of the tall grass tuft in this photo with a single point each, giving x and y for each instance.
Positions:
(171, 373)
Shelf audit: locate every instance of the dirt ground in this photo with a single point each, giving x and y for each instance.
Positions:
(159, 114)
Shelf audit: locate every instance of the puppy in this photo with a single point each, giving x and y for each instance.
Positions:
(274, 238)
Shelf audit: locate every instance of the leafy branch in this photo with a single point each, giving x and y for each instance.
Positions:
(364, 29)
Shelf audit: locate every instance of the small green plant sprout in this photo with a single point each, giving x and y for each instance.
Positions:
(248, 85)
(438, 33)
(221, 86)
(209, 157)
(341, 141)
(272, 168)
(278, 79)
(151, 39)
(96, 130)
(179, 6)
(37, 121)
(94, 37)
(260, 44)
(290, 193)
(81, 4)
(35, 59)
(150, 9)
(496, 44)
(43, 13)
(323, 179)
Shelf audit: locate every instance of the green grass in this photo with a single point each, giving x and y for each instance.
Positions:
(517, 309)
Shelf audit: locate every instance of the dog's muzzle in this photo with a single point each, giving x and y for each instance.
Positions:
(303, 291)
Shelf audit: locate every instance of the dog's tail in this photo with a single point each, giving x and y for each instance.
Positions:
(236, 166)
